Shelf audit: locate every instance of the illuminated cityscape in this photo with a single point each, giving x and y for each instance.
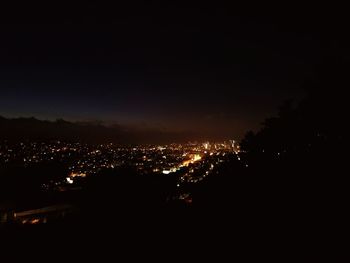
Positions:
(84, 159)
(189, 163)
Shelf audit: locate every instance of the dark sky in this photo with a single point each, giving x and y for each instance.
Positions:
(210, 68)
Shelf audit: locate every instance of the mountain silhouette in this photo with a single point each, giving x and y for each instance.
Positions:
(29, 129)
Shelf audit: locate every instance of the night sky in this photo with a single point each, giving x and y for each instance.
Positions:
(218, 70)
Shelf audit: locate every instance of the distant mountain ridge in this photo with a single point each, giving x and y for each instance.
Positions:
(18, 129)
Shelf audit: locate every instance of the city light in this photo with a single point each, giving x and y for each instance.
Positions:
(69, 180)
(85, 160)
